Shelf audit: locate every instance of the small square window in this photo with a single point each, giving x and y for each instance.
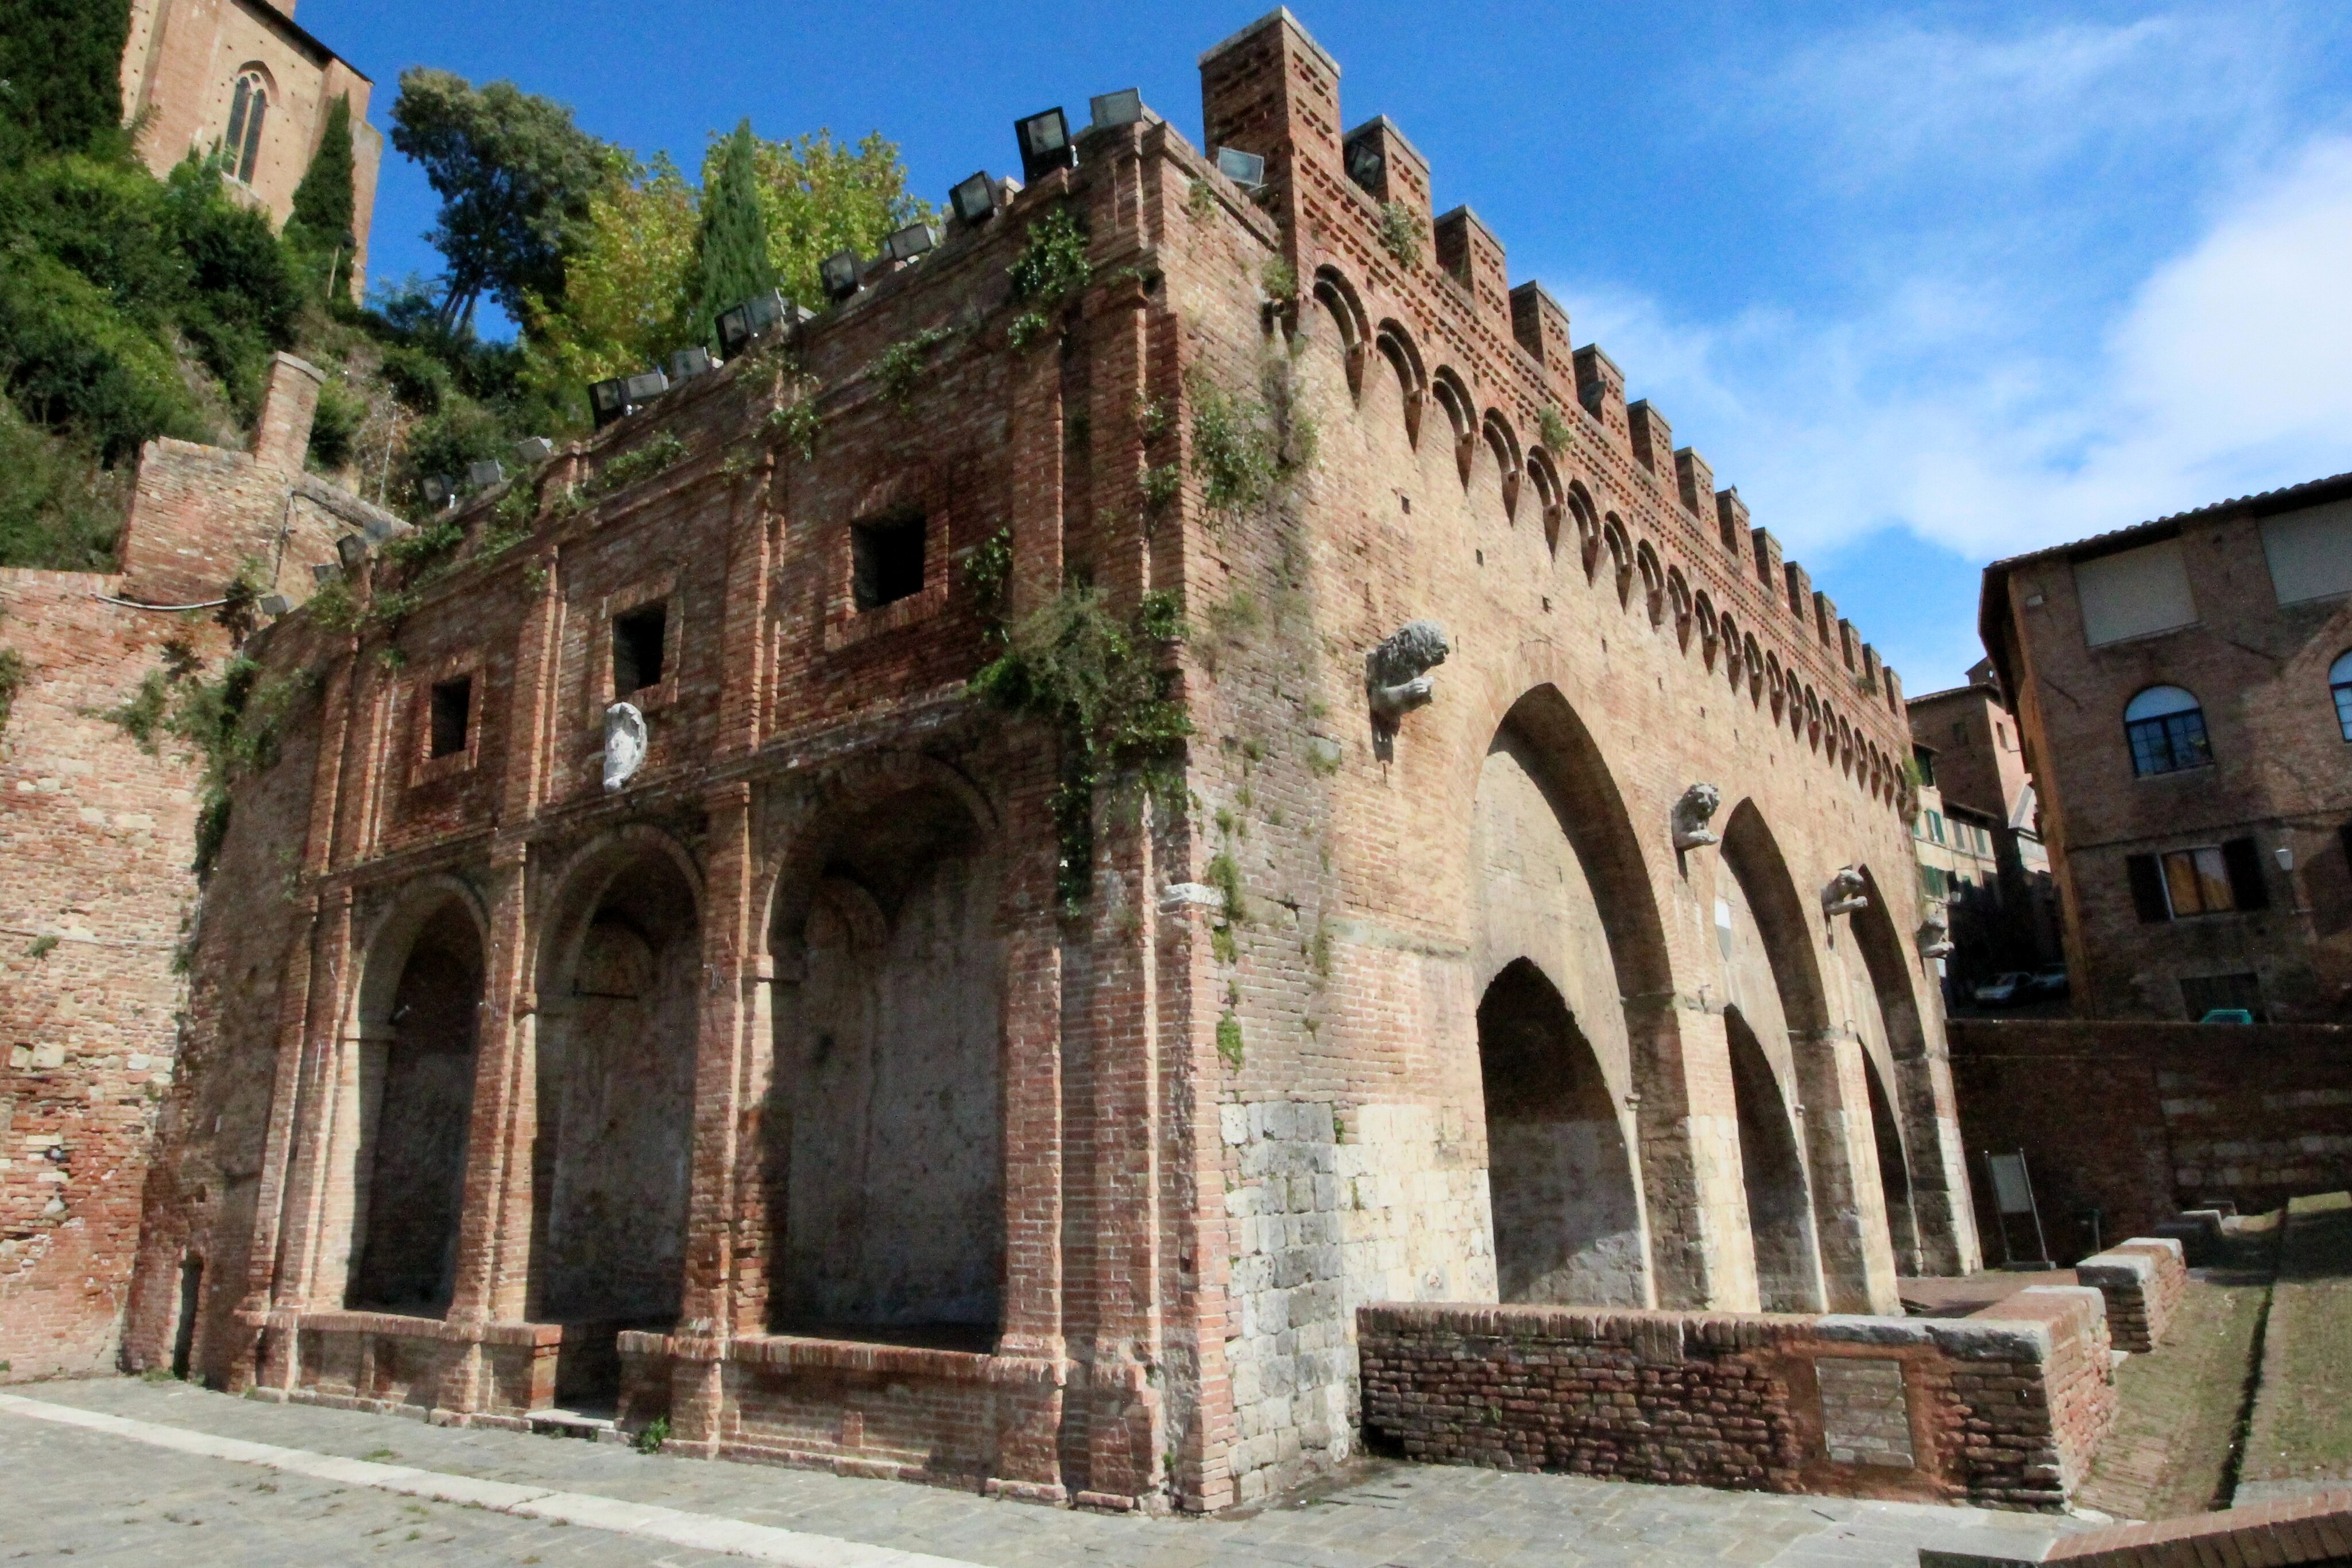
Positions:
(887, 560)
(638, 642)
(453, 711)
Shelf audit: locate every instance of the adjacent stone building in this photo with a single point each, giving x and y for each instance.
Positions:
(1979, 832)
(240, 77)
(2185, 692)
(652, 982)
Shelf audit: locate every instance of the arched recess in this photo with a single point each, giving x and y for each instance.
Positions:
(1550, 496)
(1396, 346)
(619, 987)
(1754, 662)
(1339, 300)
(1620, 558)
(1568, 913)
(1678, 596)
(1654, 583)
(1568, 1222)
(1504, 446)
(1894, 1170)
(1772, 1174)
(1588, 527)
(1710, 630)
(883, 1179)
(1453, 396)
(1941, 1219)
(419, 1000)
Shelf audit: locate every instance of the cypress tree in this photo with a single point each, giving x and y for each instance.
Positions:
(731, 249)
(62, 62)
(323, 202)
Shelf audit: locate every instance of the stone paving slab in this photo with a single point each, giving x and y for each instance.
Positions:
(108, 1499)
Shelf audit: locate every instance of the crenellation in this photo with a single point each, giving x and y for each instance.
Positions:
(1696, 479)
(1653, 437)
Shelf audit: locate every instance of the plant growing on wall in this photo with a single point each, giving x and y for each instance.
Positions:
(899, 370)
(1401, 233)
(1052, 270)
(12, 675)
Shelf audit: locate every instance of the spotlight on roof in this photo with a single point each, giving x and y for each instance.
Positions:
(483, 474)
(1246, 169)
(646, 386)
(533, 449)
(689, 363)
(352, 551)
(1365, 162)
(323, 573)
(274, 604)
(974, 200)
(1124, 106)
(1045, 144)
(738, 326)
(440, 491)
(608, 401)
(909, 242)
(838, 273)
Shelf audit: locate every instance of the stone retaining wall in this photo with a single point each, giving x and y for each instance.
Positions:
(2005, 1410)
(2143, 1281)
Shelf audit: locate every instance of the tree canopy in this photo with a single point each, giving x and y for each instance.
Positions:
(515, 176)
(324, 203)
(61, 74)
(731, 246)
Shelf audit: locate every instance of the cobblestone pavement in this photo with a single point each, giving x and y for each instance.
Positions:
(105, 1496)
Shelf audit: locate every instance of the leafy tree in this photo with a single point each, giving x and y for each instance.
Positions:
(825, 196)
(731, 248)
(623, 300)
(515, 176)
(61, 61)
(324, 204)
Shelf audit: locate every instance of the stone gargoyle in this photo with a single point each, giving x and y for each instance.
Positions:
(1846, 893)
(1692, 814)
(1935, 935)
(625, 744)
(1396, 674)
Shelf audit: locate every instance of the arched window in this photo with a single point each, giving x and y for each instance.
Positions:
(2339, 686)
(2167, 731)
(241, 148)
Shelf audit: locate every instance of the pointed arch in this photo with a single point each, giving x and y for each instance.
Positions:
(1550, 495)
(1588, 527)
(1346, 308)
(1654, 583)
(1754, 657)
(1678, 595)
(1396, 346)
(1505, 445)
(1733, 650)
(1620, 558)
(1776, 685)
(1452, 394)
(1710, 630)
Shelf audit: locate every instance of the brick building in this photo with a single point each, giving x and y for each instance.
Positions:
(97, 834)
(2185, 692)
(241, 76)
(1986, 850)
(651, 982)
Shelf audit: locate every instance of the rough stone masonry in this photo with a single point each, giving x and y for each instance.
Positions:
(867, 1079)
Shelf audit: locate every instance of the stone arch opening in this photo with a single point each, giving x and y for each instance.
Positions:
(1772, 1174)
(611, 1163)
(1568, 1222)
(884, 1159)
(1566, 907)
(1893, 1172)
(420, 1014)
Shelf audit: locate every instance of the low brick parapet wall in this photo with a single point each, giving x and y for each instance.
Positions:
(2143, 1281)
(2004, 1409)
(2292, 1532)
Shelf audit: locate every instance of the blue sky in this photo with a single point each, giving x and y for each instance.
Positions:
(1931, 283)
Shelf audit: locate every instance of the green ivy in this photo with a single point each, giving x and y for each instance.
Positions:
(1401, 233)
(12, 675)
(656, 457)
(899, 369)
(1052, 267)
(232, 724)
(1229, 1038)
(1553, 428)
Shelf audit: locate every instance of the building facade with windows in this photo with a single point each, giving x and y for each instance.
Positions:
(2185, 692)
(1968, 745)
(240, 77)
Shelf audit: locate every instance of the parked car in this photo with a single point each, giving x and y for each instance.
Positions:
(2002, 990)
(2050, 980)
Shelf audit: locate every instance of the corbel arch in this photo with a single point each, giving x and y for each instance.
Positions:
(1588, 527)
(1550, 496)
(1732, 649)
(1654, 583)
(1710, 630)
(1620, 558)
(1497, 431)
(1452, 394)
(1338, 296)
(1678, 597)
(1396, 346)
(1755, 669)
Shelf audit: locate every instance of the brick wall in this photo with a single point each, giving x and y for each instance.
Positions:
(2002, 1409)
(2144, 1120)
(2143, 1281)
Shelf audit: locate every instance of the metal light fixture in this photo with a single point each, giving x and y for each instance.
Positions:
(533, 449)
(1366, 163)
(974, 200)
(352, 551)
(1124, 106)
(646, 386)
(274, 604)
(608, 401)
(481, 475)
(323, 573)
(1246, 169)
(838, 274)
(689, 363)
(1045, 144)
(739, 326)
(440, 491)
(909, 242)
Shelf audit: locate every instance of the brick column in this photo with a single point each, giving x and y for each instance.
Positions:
(705, 1312)
(1850, 1226)
(1940, 1210)
(1036, 513)
(500, 1052)
(1687, 1127)
(319, 1102)
(277, 1155)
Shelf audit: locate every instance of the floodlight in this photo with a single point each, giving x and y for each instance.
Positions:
(689, 363)
(974, 200)
(608, 401)
(1124, 106)
(646, 387)
(274, 604)
(323, 572)
(533, 449)
(440, 490)
(738, 326)
(483, 474)
(1045, 144)
(352, 551)
(909, 242)
(1246, 169)
(838, 273)
(379, 530)
(1366, 162)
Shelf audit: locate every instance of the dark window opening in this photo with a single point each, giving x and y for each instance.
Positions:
(1926, 760)
(2170, 743)
(638, 640)
(887, 560)
(2212, 879)
(453, 709)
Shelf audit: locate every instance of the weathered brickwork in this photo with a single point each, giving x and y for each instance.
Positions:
(2142, 1121)
(2143, 1281)
(97, 835)
(804, 1106)
(2004, 1409)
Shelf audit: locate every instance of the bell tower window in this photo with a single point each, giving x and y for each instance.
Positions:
(241, 148)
